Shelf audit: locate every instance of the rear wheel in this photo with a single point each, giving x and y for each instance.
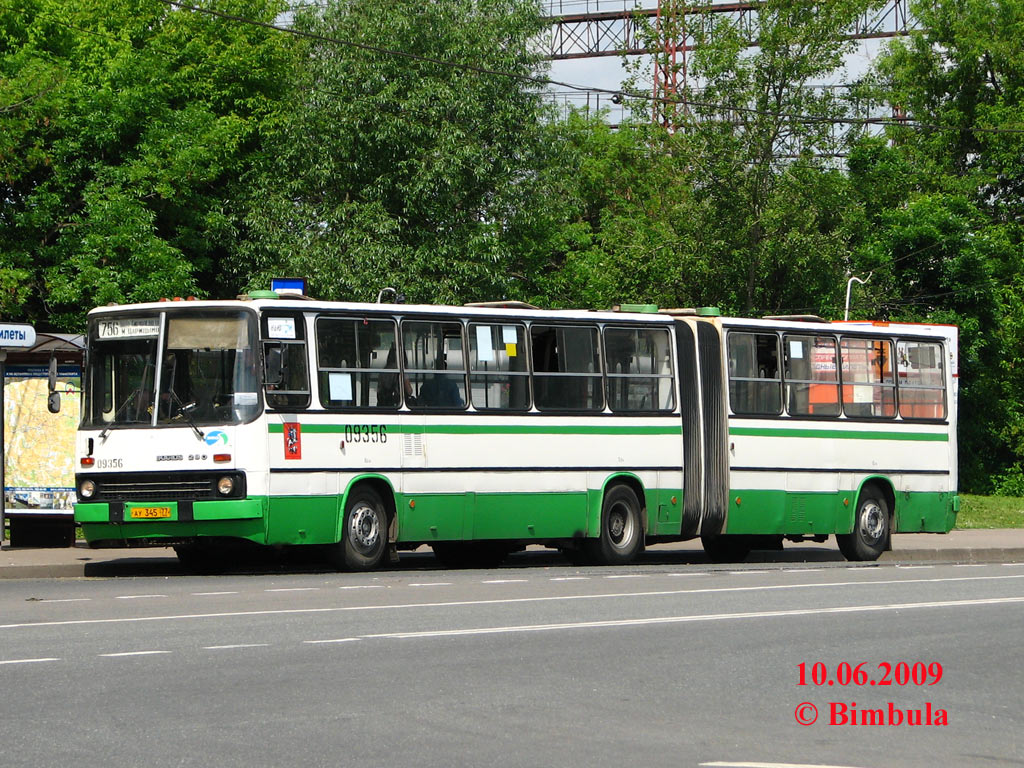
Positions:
(364, 535)
(622, 534)
(870, 533)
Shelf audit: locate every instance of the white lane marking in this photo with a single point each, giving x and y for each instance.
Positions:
(363, 586)
(800, 570)
(27, 661)
(772, 765)
(570, 578)
(132, 653)
(744, 573)
(431, 584)
(66, 600)
(971, 565)
(294, 589)
(914, 567)
(628, 576)
(136, 597)
(694, 618)
(236, 645)
(685, 574)
(326, 642)
(211, 594)
(505, 581)
(506, 601)
(1012, 565)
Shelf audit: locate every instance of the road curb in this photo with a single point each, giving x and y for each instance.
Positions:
(955, 556)
(163, 565)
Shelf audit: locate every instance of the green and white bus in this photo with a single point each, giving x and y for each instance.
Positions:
(373, 428)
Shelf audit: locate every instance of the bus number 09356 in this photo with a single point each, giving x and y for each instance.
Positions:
(366, 433)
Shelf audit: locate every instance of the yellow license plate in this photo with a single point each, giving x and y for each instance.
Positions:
(150, 513)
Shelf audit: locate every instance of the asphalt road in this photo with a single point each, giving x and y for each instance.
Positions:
(656, 665)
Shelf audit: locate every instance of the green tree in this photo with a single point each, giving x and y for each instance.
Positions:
(952, 249)
(774, 214)
(402, 161)
(125, 126)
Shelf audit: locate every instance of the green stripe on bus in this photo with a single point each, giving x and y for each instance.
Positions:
(490, 429)
(839, 434)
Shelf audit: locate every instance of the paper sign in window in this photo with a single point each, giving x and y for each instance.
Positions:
(484, 351)
(281, 327)
(340, 386)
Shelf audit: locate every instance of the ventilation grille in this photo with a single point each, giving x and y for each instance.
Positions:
(412, 444)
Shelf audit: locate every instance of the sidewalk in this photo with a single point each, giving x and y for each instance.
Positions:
(967, 546)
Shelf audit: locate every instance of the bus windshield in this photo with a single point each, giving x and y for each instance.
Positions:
(198, 367)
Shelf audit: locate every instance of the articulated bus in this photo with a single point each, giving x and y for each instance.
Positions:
(366, 429)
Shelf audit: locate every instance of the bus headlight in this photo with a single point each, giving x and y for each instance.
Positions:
(225, 485)
(86, 489)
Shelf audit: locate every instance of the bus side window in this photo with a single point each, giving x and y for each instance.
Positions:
(812, 375)
(869, 390)
(434, 364)
(290, 387)
(755, 386)
(566, 368)
(639, 369)
(499, 375)
(357, 363)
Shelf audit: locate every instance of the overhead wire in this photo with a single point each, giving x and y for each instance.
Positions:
(545, 81)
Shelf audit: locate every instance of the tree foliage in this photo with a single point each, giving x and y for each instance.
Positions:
(951, 247)
(409, 169)
(124, 124)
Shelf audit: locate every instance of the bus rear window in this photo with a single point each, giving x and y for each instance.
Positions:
(921, 384)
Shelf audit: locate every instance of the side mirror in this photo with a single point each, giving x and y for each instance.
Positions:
(274, 363)
(52, 379)
(53, 402)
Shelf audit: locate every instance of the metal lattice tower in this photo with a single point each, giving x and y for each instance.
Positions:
(594, 28)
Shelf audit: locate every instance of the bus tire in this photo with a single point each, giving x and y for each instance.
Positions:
(726, 547)
(364, 533)
(622, 534)
(870, 533)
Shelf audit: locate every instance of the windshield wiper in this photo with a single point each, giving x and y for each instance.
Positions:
(185, 409)
(113, 419)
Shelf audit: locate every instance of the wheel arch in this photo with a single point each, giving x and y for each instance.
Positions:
(883, 486)
(384, 489)
(631, 481)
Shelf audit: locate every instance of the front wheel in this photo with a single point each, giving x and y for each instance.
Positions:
(364, 535)
(870, 529)
(622, 535)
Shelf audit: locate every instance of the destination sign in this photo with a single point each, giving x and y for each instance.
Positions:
(128, 328)
(17, 336)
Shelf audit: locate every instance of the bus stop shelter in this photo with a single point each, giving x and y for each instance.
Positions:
(38, 445)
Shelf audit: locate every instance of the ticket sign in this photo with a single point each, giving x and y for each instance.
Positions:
(17, 336)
